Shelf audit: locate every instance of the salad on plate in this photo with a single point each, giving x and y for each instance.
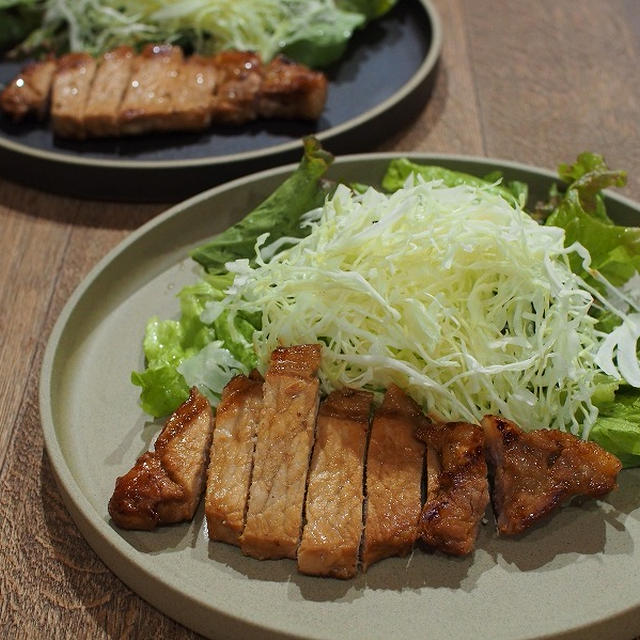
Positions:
(313, 32)
(454, 287)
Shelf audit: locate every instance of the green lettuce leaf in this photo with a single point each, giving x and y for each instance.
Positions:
(322, 38)
(17, 19)
(279, 215)
(588, 176)
(163, 389)
(581, 212)
(519, 190)
(315, 32)
(167, 343)
(615, 253)
(401, 168)
(614, 249)
(369, 8)
(617, 428)
(206, 348)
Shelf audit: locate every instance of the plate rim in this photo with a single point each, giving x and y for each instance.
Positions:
(104, 539)
(420, 76)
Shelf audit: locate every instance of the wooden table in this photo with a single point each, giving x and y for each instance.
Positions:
(535, 82)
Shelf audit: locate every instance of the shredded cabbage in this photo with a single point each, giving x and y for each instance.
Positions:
(313, 31)
(452, 293)
(210, 369)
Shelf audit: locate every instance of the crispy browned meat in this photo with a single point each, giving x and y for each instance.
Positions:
(28, 93)
(282, 453)
(147, 103)
(393, 479)
(231, 458)
(70, 93)
(457, 486)
(535, 472)
(109, 85)
(331, 535)
(165, 484)
(290, 90)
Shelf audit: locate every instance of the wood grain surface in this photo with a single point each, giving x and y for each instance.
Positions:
(535, 82)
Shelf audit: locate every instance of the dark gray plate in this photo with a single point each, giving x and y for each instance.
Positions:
(577, 577)
(379, 86)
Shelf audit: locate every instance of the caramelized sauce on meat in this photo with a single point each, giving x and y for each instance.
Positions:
(316, 488)
(162, 90)
(535, 472)
(165, 485)
(29, 92)
(457, 487)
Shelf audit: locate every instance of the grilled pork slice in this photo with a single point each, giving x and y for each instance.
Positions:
(193, 95)
(70, 92)
(229, 473)
(160, 90)
(457, 486)
(109, 85)
(165, 484)
(147, 103)
(393, 479)
(535, 472)
(240, 79)
(331, 535)
(290, 90)
(283, 449)
(28, 93)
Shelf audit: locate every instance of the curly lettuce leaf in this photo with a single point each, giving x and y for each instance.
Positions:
(279, 215)
(163, 389)
(315, 32)
(581, 212)
(615, 254)
(614, 249)
(401, 168)
(368, 8)
(322, 38)
(519, 190)
(17, 19)
(617, 428)
(207, 344)
(588, 176)
(169, 343)
(206, 347)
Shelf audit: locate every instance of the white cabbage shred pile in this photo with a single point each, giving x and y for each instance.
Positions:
(454, 294)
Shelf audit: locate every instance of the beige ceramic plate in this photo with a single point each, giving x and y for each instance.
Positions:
(578, 576)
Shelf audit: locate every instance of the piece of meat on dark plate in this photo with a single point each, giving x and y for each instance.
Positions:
(331, 537)
(290, 90)
(147, 104)
(109, 86)
(29, 92)
(235, 99)
(395, 461)
(535, 472)
(70, 93)
(165, 485)
(457, 486)
(193, 94)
